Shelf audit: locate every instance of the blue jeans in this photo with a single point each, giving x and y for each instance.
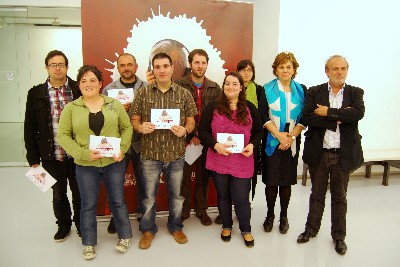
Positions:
(232, 189)
(137, 169)
(173, 172)
(89, 179)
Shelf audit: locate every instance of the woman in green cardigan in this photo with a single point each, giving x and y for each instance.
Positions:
(98, 115)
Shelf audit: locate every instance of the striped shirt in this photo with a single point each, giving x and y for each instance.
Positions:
(163, 145)
(58, 98)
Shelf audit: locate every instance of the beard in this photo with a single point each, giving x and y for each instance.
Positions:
(197, 75)
(128, 75)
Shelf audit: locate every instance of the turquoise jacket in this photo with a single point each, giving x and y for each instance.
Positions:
(73, 132)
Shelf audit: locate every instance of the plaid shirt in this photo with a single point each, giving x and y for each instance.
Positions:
(163, 145)
(58, 98)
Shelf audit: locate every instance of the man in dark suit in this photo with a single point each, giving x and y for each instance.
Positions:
(332, 148)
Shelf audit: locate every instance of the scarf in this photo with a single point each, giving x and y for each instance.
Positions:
(277, 110)
(251, 93)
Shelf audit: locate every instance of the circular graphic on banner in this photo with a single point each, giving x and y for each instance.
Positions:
(179, 34)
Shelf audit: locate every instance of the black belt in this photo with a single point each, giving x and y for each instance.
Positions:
(331, 150)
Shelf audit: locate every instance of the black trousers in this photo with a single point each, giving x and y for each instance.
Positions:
(64, 173)
(330, 167)
(201, 186)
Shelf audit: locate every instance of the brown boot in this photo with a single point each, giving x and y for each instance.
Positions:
(145, 241)
(180, 237)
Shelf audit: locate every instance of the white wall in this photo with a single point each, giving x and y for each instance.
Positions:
(367, 33)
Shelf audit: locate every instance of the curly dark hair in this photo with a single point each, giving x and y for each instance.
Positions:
(223, 107)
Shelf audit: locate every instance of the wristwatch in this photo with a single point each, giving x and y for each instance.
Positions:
(293, 137)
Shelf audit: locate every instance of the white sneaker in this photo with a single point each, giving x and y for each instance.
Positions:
(89, 252)
(122, 245)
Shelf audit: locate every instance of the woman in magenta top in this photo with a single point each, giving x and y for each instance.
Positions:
(233, 116)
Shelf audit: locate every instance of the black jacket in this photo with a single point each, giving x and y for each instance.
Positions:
(349, 114)
(38, 128)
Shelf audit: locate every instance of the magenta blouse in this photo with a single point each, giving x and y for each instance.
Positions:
(235, 164)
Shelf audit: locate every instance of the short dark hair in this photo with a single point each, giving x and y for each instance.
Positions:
(243, 64)
(127, 55)
(85, 69)
(161, 56)
(54, 53)
(200, 52)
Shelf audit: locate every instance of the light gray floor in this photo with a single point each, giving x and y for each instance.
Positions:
(373, 226)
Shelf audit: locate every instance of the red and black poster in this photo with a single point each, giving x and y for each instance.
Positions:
(109, 28)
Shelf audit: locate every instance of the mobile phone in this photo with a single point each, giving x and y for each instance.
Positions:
(152, 73)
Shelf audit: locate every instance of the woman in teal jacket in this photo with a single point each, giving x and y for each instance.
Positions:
(96, 114)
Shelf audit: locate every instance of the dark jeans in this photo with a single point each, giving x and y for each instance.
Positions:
(200, 192)
(64, 172)
(329, 167)
(137, 169)
(232, 189)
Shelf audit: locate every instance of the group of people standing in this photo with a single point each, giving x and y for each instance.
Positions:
(269, 119)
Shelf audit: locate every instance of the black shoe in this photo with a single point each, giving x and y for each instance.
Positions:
(218, 219)
(340, 246)
(62, 234)
(226, 238)
(111, 227)
(268, 223)
(283, 225)
(185, 217)
(304, 237)
(205, 219)
(249, 243)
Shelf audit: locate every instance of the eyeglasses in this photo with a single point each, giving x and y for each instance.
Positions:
(56, 65)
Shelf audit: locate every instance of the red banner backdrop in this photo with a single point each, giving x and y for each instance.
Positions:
(110, 28)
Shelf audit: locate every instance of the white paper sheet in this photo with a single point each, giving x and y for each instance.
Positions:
(192, 153)
(41, 178)
(165, 118)
(124, 95)
(108, 146)
(234, 142)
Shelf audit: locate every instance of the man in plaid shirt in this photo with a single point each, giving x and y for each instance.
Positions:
(44, 105)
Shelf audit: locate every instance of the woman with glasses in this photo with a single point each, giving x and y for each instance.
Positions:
(255, 94)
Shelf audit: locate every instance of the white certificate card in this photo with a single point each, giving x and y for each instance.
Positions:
(233, 142)
(41, 178)
(108, 146)
(165, 118)
(192, 153)
(124, 95)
